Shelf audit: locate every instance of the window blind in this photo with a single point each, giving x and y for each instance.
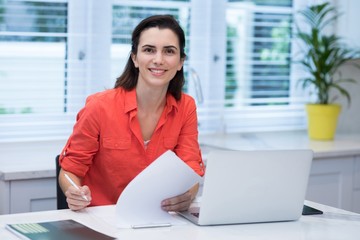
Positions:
(33, 67)
(259, 89)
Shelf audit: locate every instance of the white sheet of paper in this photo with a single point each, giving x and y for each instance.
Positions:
(140, 202)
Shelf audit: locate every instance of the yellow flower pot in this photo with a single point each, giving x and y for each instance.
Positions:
(322, 120)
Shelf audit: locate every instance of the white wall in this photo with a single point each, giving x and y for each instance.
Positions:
(349, 120)
(347, 27)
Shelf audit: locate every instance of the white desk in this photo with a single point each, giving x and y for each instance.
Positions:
(334, 224)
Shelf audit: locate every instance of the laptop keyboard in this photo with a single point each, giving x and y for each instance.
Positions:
(195, 214)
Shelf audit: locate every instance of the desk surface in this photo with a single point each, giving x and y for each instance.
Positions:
(334, 224)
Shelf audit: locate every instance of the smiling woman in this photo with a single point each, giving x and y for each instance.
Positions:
(121, 131)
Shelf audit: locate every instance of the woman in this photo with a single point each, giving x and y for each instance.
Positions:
(121, 131)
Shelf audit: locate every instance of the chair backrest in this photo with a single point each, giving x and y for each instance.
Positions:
(60, 196)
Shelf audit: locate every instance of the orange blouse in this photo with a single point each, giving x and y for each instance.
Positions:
(106, 148)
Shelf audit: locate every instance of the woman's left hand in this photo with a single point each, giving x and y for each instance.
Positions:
(181, 202)
(178, 203)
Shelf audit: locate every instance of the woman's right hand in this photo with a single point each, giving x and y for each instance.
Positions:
(76, 198)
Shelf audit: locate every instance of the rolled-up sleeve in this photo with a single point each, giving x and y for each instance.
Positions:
(77, 155)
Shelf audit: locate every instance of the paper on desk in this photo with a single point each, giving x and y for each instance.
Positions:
(140, 202)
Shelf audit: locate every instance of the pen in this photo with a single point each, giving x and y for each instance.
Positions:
(76, 186)
(151, 225)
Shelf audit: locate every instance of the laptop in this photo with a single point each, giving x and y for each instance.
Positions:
(252, 187)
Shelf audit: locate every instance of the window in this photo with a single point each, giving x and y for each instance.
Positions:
(258, 86)
(54, 53)
(43, 72)
(33, 65)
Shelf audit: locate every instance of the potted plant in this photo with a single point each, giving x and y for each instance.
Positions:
(322, 56)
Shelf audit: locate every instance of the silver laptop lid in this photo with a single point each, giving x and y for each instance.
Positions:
(254, 186)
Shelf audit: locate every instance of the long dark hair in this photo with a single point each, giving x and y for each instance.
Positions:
(128, 79)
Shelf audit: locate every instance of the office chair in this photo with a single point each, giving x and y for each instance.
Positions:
(60, 196)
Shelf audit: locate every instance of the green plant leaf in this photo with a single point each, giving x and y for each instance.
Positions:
(323, 54)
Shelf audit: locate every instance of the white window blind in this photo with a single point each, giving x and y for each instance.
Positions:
(260, 92)
(42, 80)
